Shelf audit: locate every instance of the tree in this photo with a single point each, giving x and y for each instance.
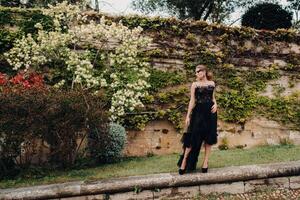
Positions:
(212, 10)
(294, 6)
(267, 16)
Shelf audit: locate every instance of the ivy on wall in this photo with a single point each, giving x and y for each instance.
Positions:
(24, 19)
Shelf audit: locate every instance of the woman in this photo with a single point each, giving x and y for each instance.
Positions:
(201, 122)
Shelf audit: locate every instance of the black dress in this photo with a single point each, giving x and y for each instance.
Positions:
(202, 127)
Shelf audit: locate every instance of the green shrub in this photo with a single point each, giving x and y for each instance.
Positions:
(240, 146)
(110, 150)
(224, 144)
(5, 18)
(286, 142)
(27, 25)
(7, 39)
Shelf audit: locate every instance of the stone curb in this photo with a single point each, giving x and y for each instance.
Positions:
(154, 181)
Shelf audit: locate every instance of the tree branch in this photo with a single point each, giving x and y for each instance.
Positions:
(205, 5)
(210, 9)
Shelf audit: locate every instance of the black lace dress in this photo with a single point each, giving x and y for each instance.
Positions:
(203, 125)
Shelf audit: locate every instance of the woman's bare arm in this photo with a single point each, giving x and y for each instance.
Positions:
(192, 100)
(214, 97)
(214, 107)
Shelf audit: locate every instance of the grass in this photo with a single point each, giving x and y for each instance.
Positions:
(159, 164)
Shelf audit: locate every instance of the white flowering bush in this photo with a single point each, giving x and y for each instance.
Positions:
(124, 75)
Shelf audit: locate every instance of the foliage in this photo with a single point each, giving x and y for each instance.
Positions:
(125, 73)
(29, 22)
(34, 3)
(25, 20)
(138, 121)
(20, 81)
(236, 106)
(165, 25)
(267, 16)
(169, 105)
(110, 150)
(249, 3)
(286, 142)
(5, 17)
(6, 40)
(224, 144)
(10, 3)
(15, 23)
(294, 6)
(59, 119)
(283, 109)
(214, 10)
(240, 98)
(159, 79)
(238, 84)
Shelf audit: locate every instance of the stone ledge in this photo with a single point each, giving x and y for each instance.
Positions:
(154, 181)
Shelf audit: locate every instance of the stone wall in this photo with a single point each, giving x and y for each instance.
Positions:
(160, 137)
(241, 187)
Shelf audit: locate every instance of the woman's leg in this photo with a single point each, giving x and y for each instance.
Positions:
(186, 154)
(193, 157)
(206, 156)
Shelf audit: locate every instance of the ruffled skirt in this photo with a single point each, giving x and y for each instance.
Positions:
(202, 127)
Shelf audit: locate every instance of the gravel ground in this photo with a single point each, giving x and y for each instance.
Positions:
(272, 194)
(268, 194)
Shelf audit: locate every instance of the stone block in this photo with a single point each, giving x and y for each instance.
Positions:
(164, 193)
(248, 45)
(295, 48)
(232, 188)
(272, 141)
(258, 49)
(89, 197)
(143, 195)
(75, 198)
(285, 50)
(294, 135)
(191, 191)
(295, 182)
(280, 63)
(177, 192)
(261, 184)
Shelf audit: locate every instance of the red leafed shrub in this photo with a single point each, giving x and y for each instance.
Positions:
(21, 81)
(3, 79)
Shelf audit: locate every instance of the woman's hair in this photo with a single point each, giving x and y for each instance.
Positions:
(209, 74)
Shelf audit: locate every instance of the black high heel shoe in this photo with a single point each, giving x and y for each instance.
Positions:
(181, 171)
(180, 160)
(204, 170)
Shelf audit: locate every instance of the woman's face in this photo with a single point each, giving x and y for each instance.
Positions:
(200, 73)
